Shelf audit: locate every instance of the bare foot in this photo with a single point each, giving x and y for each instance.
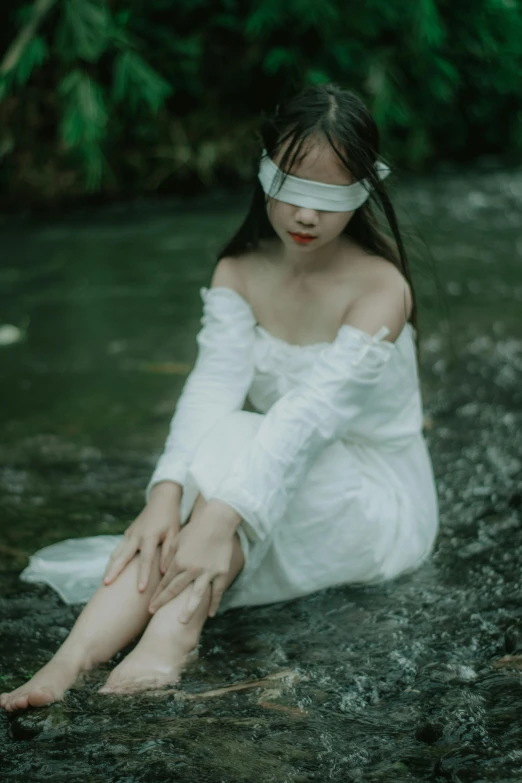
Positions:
(145, 670)
(48, 685)
(166, 647)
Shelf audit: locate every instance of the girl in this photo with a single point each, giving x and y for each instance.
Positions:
(311, 313)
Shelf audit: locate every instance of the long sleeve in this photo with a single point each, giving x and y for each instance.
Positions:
(300, 424)
(218, 383)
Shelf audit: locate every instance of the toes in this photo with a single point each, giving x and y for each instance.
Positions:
(9, 701)
(116, 686)
(113, 689)
(6, 700)
(20, 702)
(110, 685)
(124, 686)
(38, 697)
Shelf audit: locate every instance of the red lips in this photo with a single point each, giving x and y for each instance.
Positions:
(302, 239)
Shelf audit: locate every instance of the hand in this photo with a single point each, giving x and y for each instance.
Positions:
(157, 524)
(201, 554)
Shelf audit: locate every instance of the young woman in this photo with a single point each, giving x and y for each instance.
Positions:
(311, 315)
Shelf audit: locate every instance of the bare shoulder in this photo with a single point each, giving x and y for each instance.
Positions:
(228, 274)
(385, 300)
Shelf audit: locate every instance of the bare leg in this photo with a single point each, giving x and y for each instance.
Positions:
(167, 644)
(114, 616)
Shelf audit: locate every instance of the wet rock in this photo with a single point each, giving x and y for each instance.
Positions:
(429, 733)
(513, 638)
(30, 723)
(447, 673)
(461, 765)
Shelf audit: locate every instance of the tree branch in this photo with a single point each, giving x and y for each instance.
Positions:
(15, 51)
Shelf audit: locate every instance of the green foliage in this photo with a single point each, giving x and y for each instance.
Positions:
(150, 95)
(33, 55)
(85, 115)
(87, 45)
(84, 31)
(84, 122)
(136, 82)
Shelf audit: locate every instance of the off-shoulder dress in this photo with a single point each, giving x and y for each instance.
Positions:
(331, 476)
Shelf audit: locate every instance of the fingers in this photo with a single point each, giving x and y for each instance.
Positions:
(146, 558)
(168, 548)
(197, 594)
(218, 588)
(172, 571)
(169, 579)
(174, 588)
(119, 559)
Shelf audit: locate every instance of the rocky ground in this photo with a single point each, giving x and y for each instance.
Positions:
(416, 680)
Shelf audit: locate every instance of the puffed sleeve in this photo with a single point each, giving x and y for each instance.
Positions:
(218, 383)
(300, 424)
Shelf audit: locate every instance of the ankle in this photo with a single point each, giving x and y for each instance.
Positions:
(78, 660)
(182, 640)
(187, 645)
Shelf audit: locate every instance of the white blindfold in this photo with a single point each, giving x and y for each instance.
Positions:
(311, 194)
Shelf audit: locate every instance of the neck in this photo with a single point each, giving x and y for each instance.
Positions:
(301, 262)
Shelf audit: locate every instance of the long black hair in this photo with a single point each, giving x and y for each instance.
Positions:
(342, 117)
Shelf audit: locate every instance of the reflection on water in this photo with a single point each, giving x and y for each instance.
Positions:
(415, 680)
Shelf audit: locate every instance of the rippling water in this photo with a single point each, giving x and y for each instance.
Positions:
(418, 679)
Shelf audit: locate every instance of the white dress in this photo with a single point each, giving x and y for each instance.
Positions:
(332, 476)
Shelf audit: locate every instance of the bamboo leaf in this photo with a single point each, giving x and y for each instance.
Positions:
(267, 17)
(25, 35)
(84, 124)
(85, 29)
(34, 54)
(316, 76)
(389, 101)
(85, 115)
(279, 58)
(137, 82)
(429, 29)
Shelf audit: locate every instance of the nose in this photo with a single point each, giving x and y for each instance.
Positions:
(306, 216)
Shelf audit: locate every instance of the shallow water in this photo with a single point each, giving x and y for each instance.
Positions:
(407, 681)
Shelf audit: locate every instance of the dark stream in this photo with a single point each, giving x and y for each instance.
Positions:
(419, 679)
